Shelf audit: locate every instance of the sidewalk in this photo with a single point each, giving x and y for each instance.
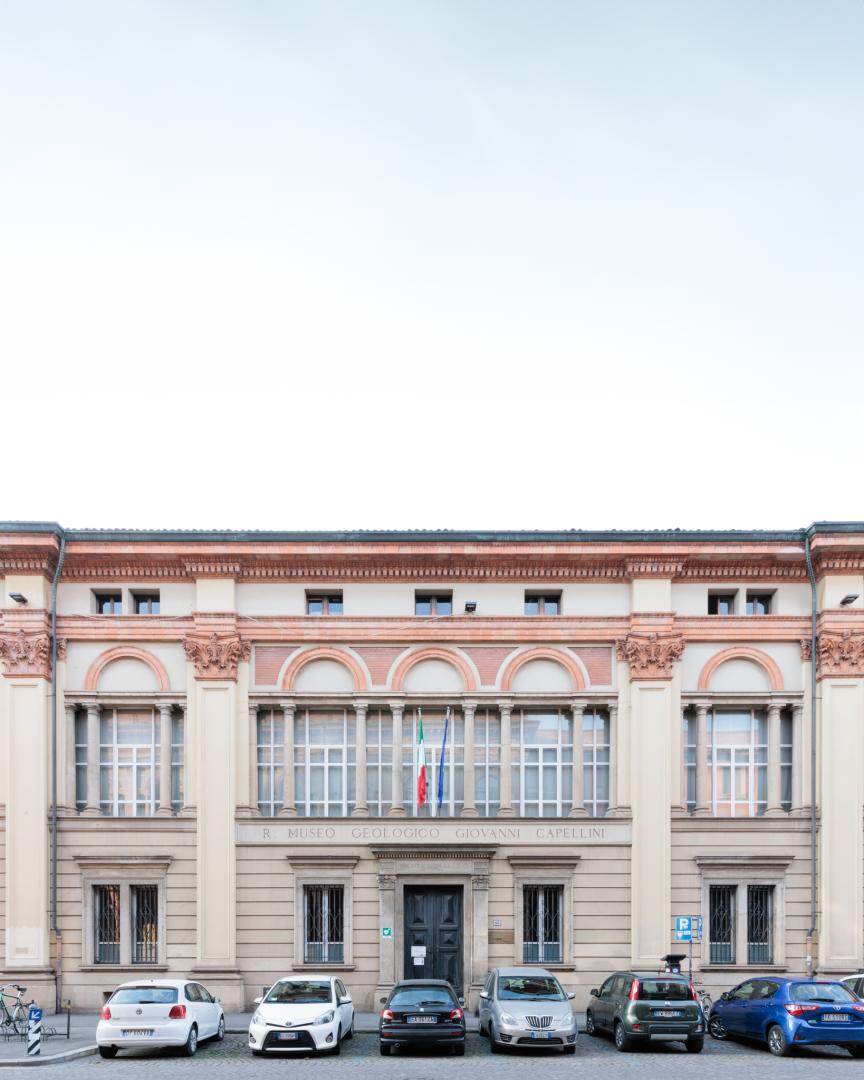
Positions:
(56, 1047)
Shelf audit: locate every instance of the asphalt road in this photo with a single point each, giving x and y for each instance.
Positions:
(718, 1061)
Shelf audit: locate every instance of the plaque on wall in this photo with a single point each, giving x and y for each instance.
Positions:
(501, 937)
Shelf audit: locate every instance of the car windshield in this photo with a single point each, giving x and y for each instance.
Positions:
(144, 995)
(663, 990)
(299, 992)
(409, 996)
(528, 988)
(820, 991)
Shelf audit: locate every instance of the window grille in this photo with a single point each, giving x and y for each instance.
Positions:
(106, 900)
(595, 762)
(145, 924)
(759, 919)
(325, 926)
(721, 922)
(541, 924)
(270, 744)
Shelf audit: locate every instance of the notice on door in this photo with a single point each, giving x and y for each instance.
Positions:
(419, 961)
(418, 951)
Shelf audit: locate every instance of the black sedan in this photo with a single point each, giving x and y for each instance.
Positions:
(422, 1012)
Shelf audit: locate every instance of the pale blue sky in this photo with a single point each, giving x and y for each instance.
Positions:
(536, 264)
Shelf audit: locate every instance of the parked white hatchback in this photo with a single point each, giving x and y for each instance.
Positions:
(156, 1013)
(313, 1013)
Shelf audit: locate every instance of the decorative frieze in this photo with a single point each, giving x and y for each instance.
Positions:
(28, 654)
(650, 656)
(217, 656)
(840, 653)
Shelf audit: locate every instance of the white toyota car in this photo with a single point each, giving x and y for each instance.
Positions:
(303, 1013)
(157, 1013)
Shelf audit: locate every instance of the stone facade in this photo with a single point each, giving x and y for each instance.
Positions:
(185, 844)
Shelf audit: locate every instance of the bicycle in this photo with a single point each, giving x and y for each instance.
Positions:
(13, 1019)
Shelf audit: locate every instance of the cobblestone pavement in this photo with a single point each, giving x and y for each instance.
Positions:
(718, 1061)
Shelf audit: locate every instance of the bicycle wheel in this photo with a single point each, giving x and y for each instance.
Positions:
(20, 1021)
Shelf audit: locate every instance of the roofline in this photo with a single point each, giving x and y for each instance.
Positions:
(372, 536)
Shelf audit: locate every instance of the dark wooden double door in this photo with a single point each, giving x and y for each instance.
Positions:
(433, 920)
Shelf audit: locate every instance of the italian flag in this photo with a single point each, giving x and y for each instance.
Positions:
(421, 769)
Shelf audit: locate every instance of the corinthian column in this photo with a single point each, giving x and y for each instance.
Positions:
(469, 808)
(397, 808)
(92, 807)
(701, 808)
(361, 807)
(774, 809)
(505, 797)
(289, 807)
(578, 808)
(164, 761)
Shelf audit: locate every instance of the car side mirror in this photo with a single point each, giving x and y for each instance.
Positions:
(257, 1001)
(345, 1000)
(570, 995)
(382, 1001)
(218, 1001)
(724, 996)
(462, 1000)
(484, 995)
(595, 992)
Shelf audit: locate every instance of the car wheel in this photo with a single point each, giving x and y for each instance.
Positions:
(337, 1049)
(350, 1032)
(856, 1051)
(570, 1049)
(494, 1045)
(694, 1044)
(459, 1050)
(590, 1029)
(717, 1029)
(220, 1031)
(623, 1042)
(191, 1044)
(257, 1053)
(384, 1050)
(108, 1051)
(778, 1044)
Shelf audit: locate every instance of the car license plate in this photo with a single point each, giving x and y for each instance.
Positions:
(668, 1012)
(288, 1036)
(129, 1033)
(834, 1017)
(421, 1019)
(541, 1034)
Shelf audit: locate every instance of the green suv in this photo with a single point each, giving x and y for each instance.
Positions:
(638, 1007)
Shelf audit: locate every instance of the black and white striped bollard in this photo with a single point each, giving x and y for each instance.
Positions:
(34, 1031)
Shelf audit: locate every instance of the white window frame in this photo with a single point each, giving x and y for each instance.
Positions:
(548, 869)
(109, 807)
(376, 751)
(267, 761)
(487, 760)
(124, 871)
(303, 721)
(752, 807)
(593, 767)
(454, 763)
(562, 765)
(743, 871)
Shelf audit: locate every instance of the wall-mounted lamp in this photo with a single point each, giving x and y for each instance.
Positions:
(848, 599)
(18, 597)
(470, 607)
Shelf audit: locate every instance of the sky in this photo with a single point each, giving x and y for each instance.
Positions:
(342, 264)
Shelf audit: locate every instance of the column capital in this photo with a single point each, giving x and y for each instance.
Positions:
(396, 706)
(217, 656)
(702, 708)
(92, 708)
(469, 705)
(26, 655)
(360, 706)
(165, 708)
(578, 707)
(650, 656)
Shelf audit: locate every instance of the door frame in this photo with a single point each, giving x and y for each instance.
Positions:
(438, 883)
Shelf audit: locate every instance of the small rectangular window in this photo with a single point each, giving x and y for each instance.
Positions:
(547, 603)
(108, 603)
(106, 899)
(759, 923)
(721, 603)
(145, 924)
(146, 603)
(721, 924)
(324, 941)
(433, 604)
(541, 924)
(324, 603)
(759, 603)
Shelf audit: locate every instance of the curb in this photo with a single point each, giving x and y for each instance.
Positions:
(49, 1059)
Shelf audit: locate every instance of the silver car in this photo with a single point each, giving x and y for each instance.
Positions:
(526, 1006)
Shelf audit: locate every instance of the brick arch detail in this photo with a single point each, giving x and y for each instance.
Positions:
(300, 660)
(742, 652)
(568, 662)
(448, 656)
(126, 652)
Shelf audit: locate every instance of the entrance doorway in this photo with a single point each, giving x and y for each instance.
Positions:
(433, 922)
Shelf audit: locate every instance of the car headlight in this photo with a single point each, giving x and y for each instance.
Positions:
(324, 1018)
(511, 1021)
(566, 1021)
(257, 1018)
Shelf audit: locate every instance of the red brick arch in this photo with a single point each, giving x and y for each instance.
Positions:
(449, 657)
(561, 658)
(323, 653)
(126, 652)
(742, 652)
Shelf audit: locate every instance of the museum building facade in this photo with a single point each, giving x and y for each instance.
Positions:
(210, 748)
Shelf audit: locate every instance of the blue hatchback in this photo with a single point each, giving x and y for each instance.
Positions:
(787, 1013)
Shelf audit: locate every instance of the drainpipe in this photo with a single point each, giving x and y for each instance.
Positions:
(58, 939)
(811, 933)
